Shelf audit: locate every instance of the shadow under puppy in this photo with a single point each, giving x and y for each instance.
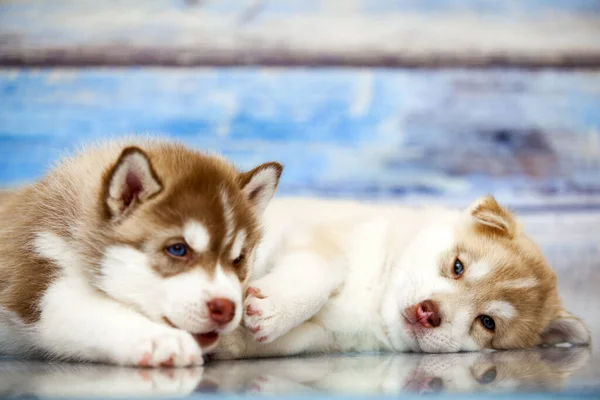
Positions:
(337, 276)
(133, 252)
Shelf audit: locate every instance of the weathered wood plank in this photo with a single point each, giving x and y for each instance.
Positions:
(532, 33)
(367, 133)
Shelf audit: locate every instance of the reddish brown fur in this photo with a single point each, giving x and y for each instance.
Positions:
(495, 239)
(71, 202)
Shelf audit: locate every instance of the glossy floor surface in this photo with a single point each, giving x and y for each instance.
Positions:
(566, 372)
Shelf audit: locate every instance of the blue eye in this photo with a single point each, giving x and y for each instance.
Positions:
(459, 268)
(488, 322)
(177, 250)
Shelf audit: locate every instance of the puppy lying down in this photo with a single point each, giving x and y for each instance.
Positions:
(335, 276)
(131, 252)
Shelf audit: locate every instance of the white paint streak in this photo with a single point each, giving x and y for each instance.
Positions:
(363, 96)
(197, 236)
(500, 308)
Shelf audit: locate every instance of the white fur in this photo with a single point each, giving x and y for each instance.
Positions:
(227, 285)
(197, 236)
(128, 277)
(82, 323)
(342, 276)
(107, 301)
(477, 271)
(501, 309)
(527, 283)
(120, 318)
(238, 244)
(263, 185)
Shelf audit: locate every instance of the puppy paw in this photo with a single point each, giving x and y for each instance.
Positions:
(172, 348)
(265, 316)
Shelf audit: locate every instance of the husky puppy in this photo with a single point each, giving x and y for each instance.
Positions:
(335, 276)
(132, 253)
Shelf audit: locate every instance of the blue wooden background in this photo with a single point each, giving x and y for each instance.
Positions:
(350, 132)
(477, 96)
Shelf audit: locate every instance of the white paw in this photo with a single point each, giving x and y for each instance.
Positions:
(168, 348)
(265, 316)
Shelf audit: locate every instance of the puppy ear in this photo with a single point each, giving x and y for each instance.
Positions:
(565, 328)
(490, 215)
(130, 182)
(259, 184)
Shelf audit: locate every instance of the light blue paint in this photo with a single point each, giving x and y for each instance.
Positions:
(372, 133)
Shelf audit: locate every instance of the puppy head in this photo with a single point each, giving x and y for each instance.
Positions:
(182, 229)
(474, 280)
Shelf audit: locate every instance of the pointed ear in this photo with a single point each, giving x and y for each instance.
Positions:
(565, 328)
(488, 213)
(259, 185)
(130, 182)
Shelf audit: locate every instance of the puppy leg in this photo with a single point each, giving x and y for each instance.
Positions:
(307, 338)
(293, 292)
(80, 323)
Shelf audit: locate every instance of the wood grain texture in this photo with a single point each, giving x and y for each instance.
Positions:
(340, 132)
(527, 33)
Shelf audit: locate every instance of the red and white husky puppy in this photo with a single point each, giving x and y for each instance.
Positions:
(133, 253)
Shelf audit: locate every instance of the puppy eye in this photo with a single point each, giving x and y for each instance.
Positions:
(178, 250)
(459, 268)
(488, 377)
(487, 322)
(238, 260)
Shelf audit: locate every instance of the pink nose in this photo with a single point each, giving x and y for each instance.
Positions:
(221, 310)
(428, 314)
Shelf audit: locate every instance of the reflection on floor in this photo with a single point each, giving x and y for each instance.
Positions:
(538, 370)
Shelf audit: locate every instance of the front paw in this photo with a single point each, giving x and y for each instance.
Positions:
(264, 315)
(168, 348)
